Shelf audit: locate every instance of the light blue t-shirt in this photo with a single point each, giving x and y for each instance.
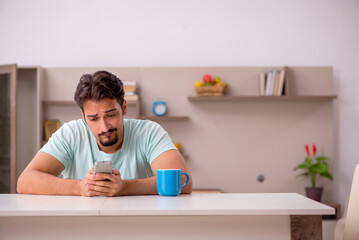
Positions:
(76, 148)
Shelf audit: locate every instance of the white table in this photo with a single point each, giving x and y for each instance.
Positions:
(197, 216)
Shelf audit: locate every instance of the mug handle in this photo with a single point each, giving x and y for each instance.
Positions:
(186, 179)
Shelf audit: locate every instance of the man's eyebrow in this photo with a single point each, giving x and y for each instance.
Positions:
(111, 110)
(92, 115)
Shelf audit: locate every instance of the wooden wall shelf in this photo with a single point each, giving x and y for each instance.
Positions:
(129, 102)
(59, 103)
(261, 98)
(164, 118)
(73, 103)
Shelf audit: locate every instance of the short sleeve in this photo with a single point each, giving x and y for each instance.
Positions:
(157, 142)
(59, 146)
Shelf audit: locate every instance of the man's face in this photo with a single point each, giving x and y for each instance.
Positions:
(105, 119)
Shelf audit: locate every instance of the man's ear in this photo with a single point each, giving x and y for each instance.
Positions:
(124, 106)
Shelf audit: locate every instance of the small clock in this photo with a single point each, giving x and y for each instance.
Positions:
(159, 108)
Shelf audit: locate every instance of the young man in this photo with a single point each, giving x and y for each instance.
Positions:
(137, 148)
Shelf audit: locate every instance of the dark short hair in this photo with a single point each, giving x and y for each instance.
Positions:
(97, 86)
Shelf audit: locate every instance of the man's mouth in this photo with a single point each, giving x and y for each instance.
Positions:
(108, 133)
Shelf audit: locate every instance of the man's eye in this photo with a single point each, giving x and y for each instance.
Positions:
(93, 119)
(111, 115)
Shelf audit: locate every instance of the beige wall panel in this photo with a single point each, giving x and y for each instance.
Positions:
(311, 80)
(60, 83)
(73, 112)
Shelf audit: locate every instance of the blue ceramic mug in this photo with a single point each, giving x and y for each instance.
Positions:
(169, 181)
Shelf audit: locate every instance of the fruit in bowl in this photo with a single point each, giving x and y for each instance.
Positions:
(207, 78)
(210, 86)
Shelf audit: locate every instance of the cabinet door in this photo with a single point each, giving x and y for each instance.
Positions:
(8, 79)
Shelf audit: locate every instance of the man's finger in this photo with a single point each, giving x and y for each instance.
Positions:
(100, 183)
(98, 190)
(103, 176)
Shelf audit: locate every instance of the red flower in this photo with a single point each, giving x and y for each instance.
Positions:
(314, 150)
(307, 150)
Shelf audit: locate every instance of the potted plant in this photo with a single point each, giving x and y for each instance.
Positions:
(314, 167)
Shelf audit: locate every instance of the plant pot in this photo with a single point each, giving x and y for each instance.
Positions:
(314, 193)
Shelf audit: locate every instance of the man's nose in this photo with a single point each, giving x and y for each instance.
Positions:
(104, 126)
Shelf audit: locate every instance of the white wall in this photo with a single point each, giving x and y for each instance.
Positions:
(88, 33)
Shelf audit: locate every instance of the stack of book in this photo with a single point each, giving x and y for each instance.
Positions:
(272, 83)
(130, 90)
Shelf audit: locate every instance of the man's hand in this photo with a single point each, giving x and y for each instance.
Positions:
(102, 184)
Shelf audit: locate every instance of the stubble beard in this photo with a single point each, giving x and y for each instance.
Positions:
(108, 142)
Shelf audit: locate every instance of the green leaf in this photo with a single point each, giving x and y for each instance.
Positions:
(327, 175)
(321, 159)
(302, 174)
(303, 165)
(320, 168)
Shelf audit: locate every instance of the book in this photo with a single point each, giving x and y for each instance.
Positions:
(276, 83)
(262, 83)
(131, 97)
(130, 86)
(268, 83)
(271, 83)
(280, 90)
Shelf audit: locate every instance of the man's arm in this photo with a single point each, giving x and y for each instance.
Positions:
(41, 177)
(171, 159)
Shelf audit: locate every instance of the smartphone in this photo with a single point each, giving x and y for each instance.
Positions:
(103, 167)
